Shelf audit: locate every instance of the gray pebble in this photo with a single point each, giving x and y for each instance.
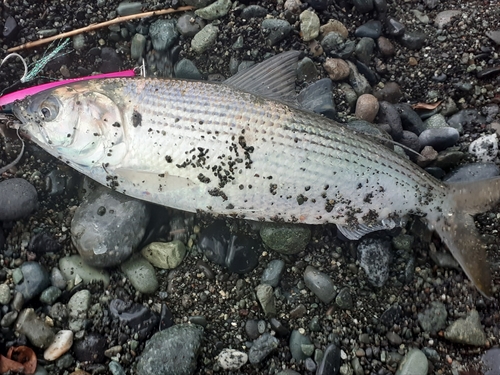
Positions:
(317, 97)
(188, 25)
(485, 148)
(410, 140)
(266, 299)
(273, 272)
(115, 368)
(320, 284)
(331, 361)
(275, 30)
(436, 121)
(38, 332)
(57, 279)
(468, 331)
(252, 329)
(73, 265)
(141, 274)
(5, 296)
(439, 138)
(79, 303)
(413, 39)
(473, 172)
(388, 114)
(253, 11)
(332, 41)
(413, 363)
(394, 27)
(371, 29)
(9, 319)
(79, 42)
(410, 119)
(137, 46)
(466, 117)
(50, 295)
(344, 299)
(433, 319)
(358, 81)
(18, 199)
(215, 10)
(364, 49)
(445, 17)
(374, 256)
(163, 34)
(172, 351)
(126, 8)
(35, 280)
(297, 342)
(262, 347)
(306, 70)
(205, 38)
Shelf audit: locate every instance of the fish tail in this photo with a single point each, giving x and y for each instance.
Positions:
(458, 231)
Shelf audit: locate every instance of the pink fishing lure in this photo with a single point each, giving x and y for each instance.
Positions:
(21, 94)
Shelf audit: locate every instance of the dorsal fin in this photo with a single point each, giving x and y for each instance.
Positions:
(273, 78)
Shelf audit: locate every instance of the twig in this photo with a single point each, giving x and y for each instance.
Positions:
(96, 26)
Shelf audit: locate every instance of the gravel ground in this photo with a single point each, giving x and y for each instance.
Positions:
(376, 330)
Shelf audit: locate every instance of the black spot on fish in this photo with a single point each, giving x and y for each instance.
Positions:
(168, 158)
(329, 205)
(116, 124)
(368, 198)
(204, 179)
(218, 193)
(301, 199)
(230, 206)
(136, 119)
(272, 188)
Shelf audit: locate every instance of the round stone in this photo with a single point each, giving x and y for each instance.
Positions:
(367, 107)
(320, 284)
(18, 199)
(231, 359)
(337, 69)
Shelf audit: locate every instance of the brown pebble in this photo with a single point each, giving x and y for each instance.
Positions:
(427, 156)
(391, 92)
(298, 312)
(337, 69)
(412, 61)
(293, 6)
(315, 48)
(386, 47)
(367, 107)
(333, 25)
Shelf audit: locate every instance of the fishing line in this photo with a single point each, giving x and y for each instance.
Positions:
(18, 158)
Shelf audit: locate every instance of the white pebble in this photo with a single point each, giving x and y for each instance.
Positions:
(485, 148)
(231, 359)
(61, 344)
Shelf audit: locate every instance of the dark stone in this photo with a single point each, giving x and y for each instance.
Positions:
(411, 140)
(111, 62)
(317, 97)
(10, 28)
(439, 138)
(43, 243)
(166, 317)
(18, 199)
(318, 4)
(253, 11)
(278, 327)
(436, 172)
(371, 29)
(410, 119)
(242, 254)
(91, 348)
(391, 316)
(275, 30)
(213, 242)
(138, 317)
(413, 39)
(252, 329)
(391, 92)
(330, 364)
(388, 114)
(466, 117)
(363, 6)
(394, 27)
(369, 74)
(473, 172)
(35, 280)
(380, 6)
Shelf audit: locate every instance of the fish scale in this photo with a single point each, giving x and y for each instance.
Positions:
(245, 149)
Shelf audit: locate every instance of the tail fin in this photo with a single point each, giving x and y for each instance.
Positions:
(457, 229)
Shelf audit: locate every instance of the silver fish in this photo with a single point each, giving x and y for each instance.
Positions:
(244, 148)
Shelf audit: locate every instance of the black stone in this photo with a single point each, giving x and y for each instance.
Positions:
(363, 6)
(410, 119)
(330, 364)
(166, 317)
(35, 280)
(43, 243)
(369, 74)
(391, 316)
(388, 114)
(371, 29)
(91, 348)
(278, 327)
(138, 317)
(253, 11)
(214, 241)
(380, 6)
(317, 97)
(413, 39)
(394, 27)
(242, 254)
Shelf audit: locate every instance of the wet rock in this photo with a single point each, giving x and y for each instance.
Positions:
(141, 274)
(434, 318)
(413, 40)
(242, 254)
(165, 255)
(388, 114)
(320, 284)
(473, 172)
(38, 332)
(214, 241)
(253, 11)
(42, 243)
(374, 256)
(364, 50)
(266, 299)
(126, 8)
(371, 29)
(262, 347)
(334, 25)
(35, 280)
(367, 107)
(137, 46)
(252, 329)
(278, 327)
(491, 360)
(204, 39)
(467, 331)
(186, 27)
(317, 97)
(50, 295)
(344, 299)
(5, 296)
(285, 238)
(115, 368)
(439, 138)
(215, 10)
(485, 148)
(393, 338)
(386, 47)
(337, 69)
(79, 304)
(299, 342)
(331, 361)
(332, 42)
(445, 17)
(391, 92)
(275, 30)
(186, 69)
(61, 344)
(306, 70)
(118, 225)
(139, 318)
(272, 273)
(391, 316)
(410, 119)
(18, 199)
(171, 351)
(394, 27)
(309, 25)
(436, 121)
(231, 359)
(358, 81)
(73, 266)
(91, 348)
(414, 363)
(363, 6)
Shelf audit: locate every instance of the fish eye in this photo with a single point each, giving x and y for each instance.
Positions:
(49, 109)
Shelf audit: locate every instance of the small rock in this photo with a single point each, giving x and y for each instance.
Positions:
(485, 148)
(139, 318)
(331, 361)
(231, 359)
(141, 274)
(394, 338)
(50, 295)
(434, 318)
(358, 81)
(262, 347)
(337, 69)
(391, 92)
(439, 138)
(242, 253)
(266, 299)
(5, 296)
(422, 17)
(367, 107)
(363, 6)
(364, 50)
(186, 69)
(79, 303)
(317, 97)
(371, 29)
(467, 331)
(388, 114)
(275, 30)
(394, 27)
(35, 280)
(137, 46)
(186, 27)
(413, 40)
(374, 256)
(491, 360)
(61, 344)
(91, 348)
(320, 284)
(436, 121)
(38, 332)
(297, 342)
(309, 25)
(285, 238)
(205, 38)
(10, 28)
(306, 70)
(73, 266)
(18, 199)
(253, 11)
(336, 26)
(473, 172)
(410, 119)
(445, 17)
(126, 8)
(414, 363)
(215, 10)
(115, 368)
(165, 255)
(386, 47)
(332, 42)
(344, 299)
(272, 273)
(494, 35)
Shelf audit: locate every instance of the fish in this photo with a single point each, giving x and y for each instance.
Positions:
(247, 148)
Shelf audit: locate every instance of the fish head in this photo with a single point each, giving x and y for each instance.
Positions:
(73, 122)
